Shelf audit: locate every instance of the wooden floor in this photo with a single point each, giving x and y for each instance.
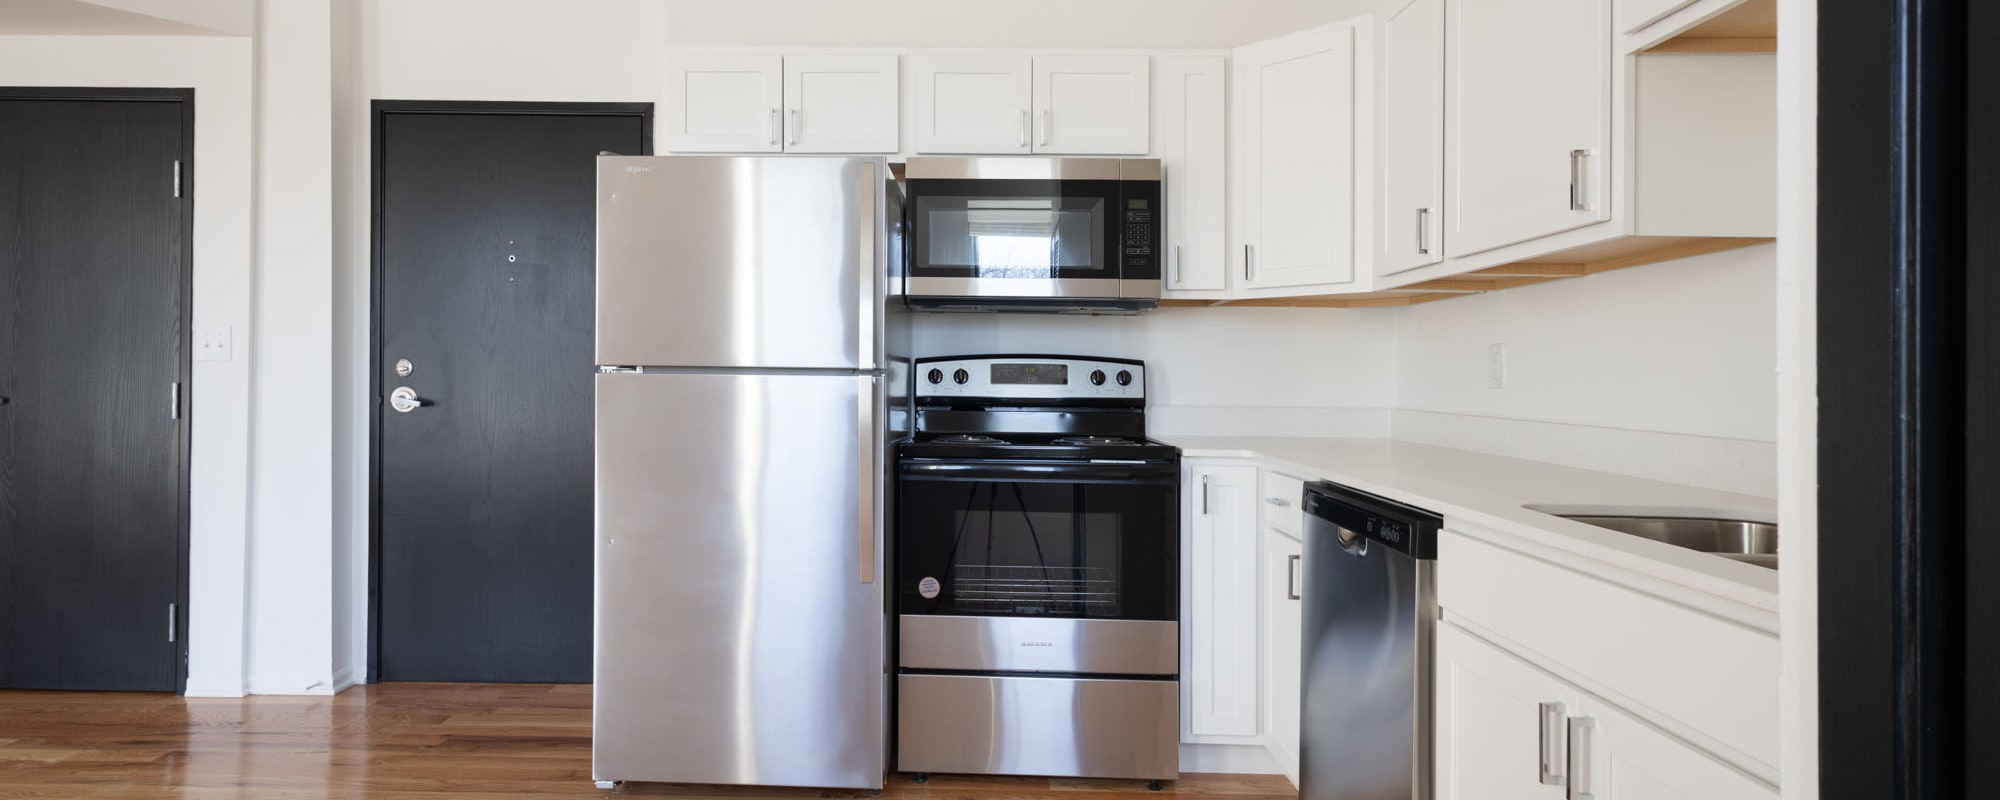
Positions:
(400, 742)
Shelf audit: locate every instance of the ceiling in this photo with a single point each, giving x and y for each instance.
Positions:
(78, 18)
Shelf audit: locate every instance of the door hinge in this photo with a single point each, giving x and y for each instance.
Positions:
(177, 177)
(174, 400)
(173, 621)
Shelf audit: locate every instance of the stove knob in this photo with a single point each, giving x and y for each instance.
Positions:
(1124, 377)
(936, 376)
(1097, 377)
(960, 377)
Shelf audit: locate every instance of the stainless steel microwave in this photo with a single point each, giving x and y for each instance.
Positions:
(1033, 234)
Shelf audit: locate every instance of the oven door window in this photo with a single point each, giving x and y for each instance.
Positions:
(1014, 229)
(1037, 548)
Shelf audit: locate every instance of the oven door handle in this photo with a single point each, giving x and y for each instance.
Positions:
(1164, 472)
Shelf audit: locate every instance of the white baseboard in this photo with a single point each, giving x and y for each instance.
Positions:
(1731, 465)
(234, 690)
(1238, 759)
(294, 686)
(1365, 423)
(343, 679)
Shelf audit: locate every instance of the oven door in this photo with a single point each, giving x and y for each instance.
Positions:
(1039, 540)
(1014, 238)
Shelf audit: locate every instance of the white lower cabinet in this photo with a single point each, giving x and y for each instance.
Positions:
(1506, 730)
(1219, 666)
(1283, 626)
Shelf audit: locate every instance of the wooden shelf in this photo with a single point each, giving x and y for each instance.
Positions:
(1751, 27)
(1630, 251)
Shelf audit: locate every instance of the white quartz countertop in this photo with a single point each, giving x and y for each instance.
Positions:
(1489, 492)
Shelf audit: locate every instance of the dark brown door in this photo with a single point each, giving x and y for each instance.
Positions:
(92, 295)
(486, 229)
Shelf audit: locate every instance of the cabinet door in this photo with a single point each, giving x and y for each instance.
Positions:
(1087, 105)
(1295, 144)
(1409, 174)
(970, 104)
(723, 103)
(842, 103)
(1222, 621)
(1630, 760)
(1498, 736)
(1194, 152)
(1283, 628)
(1527, 120)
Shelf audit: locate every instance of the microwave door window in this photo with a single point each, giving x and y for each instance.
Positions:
(1011, 237)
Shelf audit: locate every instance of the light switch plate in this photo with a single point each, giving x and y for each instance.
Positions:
(212, 344)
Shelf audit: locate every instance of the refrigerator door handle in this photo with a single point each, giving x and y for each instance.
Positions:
(871, 303)
(868, 443)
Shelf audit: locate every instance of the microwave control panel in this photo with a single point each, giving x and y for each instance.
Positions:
(1141, 215)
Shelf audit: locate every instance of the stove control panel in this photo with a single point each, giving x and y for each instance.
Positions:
(1031, 378)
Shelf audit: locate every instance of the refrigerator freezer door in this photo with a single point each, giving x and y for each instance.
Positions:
(740, 262)
(740, 622)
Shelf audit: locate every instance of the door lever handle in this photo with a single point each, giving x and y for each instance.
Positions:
(405, 400)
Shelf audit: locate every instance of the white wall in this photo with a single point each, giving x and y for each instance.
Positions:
(291, 494)
(981, 23)
(1298, 371)
(219, 71)
(1663, 371)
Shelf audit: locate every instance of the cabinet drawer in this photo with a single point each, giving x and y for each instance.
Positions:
(1279, 502)
(1711, 675)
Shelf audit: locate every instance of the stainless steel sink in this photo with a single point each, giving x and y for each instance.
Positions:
(1735, 539)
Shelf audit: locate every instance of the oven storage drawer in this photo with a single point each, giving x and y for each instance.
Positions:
(1069, 727)
(1027, 644)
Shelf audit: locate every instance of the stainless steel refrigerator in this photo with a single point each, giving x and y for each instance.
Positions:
(743, 313)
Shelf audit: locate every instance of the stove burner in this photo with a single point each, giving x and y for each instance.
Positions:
(1094, 441)
(968, 439)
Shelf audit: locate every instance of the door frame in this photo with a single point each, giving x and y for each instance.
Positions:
(379, 113)
(184, 368)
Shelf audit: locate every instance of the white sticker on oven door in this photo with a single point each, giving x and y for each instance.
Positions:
(928, 587)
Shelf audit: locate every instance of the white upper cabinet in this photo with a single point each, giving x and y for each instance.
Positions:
(723, 103)
(1527, 120)
(1301, 112)
(842, 103)
(1409, 150)
(1191, 99)
(1087, 105)
(1000, 104)
(971, 103)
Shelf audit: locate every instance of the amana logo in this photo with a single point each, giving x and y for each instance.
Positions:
(1038, 644)
(635, 169)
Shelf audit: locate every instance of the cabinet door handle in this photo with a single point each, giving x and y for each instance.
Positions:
(1204, 495)
(774, 126)
(1045, 126)
(792, 137)
(1551, 744)
(1024, 129)
(1292, 577)
(1177, 265)
(1423, 231)
(1580, 731)
(1278, 501)
(1577, 202)
(1249, 274)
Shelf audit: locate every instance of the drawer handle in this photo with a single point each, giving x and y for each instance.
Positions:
(1551, 743)
(1278, 501)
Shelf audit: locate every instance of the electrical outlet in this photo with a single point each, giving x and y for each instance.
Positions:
(1496, 366)
(212, 344)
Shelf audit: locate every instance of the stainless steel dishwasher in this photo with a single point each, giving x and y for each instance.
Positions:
(1370, 597)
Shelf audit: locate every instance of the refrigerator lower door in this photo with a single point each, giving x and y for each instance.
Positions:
(740, 616)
